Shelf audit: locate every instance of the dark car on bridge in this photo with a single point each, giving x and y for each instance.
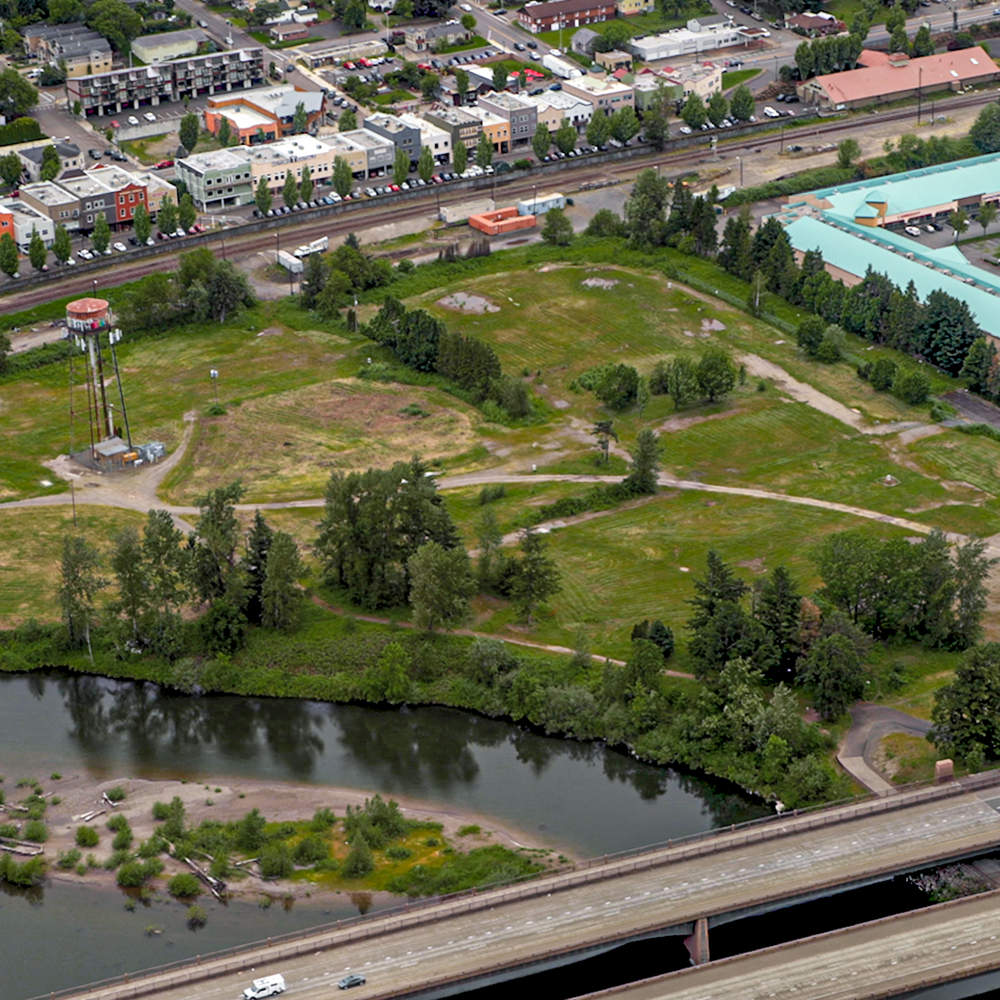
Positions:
(354, 979)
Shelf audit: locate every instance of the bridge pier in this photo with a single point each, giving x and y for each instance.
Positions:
(697, 943)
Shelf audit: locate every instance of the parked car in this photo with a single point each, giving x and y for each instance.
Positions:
(149, 116)
(912, 230)
(928, 228)
(132, 120)
(94, 154)
(163, 164)
(771, 112)
(120, 247)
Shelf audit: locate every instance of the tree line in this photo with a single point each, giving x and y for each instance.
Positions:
(423, 343)
(229, 578)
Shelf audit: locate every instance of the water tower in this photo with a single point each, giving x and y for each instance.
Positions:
(89, 322)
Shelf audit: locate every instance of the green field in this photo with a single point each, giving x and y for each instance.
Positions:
(737, 76)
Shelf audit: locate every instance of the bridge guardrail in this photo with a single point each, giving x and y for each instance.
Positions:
(607, 866)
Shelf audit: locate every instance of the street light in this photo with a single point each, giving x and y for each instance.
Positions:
(739, 159)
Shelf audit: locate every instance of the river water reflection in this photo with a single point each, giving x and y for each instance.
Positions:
(580, 796)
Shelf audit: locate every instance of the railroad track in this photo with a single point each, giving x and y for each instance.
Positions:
(340, 223)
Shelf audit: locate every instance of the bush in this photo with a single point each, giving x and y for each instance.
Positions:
(883, 374)
(398, 853)
(184, 885)
(196, 917)
(912, 387)
(468, 831)
(86, 836)
(276, 861)
(132, 874)
(116, 794)
(9, 830)
(118, 822)
(359, 861)
(311, 850)
(491, 492)
(69, 859)
(322, 820)
(35, 830)
(123, 839)
(160, 811)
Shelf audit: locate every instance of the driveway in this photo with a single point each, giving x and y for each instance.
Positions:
(869, 724)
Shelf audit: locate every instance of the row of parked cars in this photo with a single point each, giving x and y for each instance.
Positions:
(926, 227)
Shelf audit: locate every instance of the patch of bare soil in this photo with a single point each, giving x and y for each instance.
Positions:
(605, 283)
(468, 303)
(712, 324)
(226, 800)
(681, 423)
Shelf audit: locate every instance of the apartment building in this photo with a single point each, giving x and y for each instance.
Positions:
(70, 158)
(264, 113)
(463, 127)
(132, 87)
(604, 93)
(557, 14)
(81, 50)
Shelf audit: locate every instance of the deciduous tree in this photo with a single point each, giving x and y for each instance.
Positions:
(101, 236)
(534, 577)
(440, 586)
(80, 582)
(189, 129)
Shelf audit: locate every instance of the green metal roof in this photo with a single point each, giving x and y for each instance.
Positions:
(854, 248)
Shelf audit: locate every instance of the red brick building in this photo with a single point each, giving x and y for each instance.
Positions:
(557, 14)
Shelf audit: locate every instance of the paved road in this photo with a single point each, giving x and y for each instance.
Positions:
(869, 724)
(800, 855)
(884, 958)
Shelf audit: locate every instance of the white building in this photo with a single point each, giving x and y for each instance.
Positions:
(28, 220)
(556, 105)
(700, 35)
(437, 140)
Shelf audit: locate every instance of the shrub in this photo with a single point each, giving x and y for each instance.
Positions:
(9, 830)
(131, 874)
(196, 916)
(161, 811)
(36, 830)
(912, 387)
(276, 861)
(398, 853)
(86, 836)
(322, 820)
(470, 830)
(55, 775)
(184, 885)
(359, 861)
(311, 850)
(116, 794)
(118, 822)
(69, 859)
(491, 492)
(883, 374)
(123, 839)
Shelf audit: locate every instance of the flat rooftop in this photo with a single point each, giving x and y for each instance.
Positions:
(48, 193)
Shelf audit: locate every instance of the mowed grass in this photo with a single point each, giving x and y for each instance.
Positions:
(641, 563)
(31, 551)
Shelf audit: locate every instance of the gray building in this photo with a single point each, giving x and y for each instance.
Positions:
(402, 136)
(463, 127)
(583, 41)
(217, 179)
(521, 114)
(70, 158)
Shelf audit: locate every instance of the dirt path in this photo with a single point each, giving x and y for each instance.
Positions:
(802, 392)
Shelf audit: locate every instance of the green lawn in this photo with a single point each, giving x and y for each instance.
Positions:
(641, 562)
(738, 76)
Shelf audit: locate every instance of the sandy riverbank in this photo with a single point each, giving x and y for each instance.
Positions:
(225, 800)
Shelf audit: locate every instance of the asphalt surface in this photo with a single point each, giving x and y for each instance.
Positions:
(884, 958)
(507, 928)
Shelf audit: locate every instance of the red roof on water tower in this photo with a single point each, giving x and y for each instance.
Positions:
(82, 308)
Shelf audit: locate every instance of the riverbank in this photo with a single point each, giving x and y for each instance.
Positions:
(226, 800)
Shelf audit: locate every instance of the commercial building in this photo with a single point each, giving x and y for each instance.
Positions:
(290, 31)
(326, 53)
(402, 135)
(127, 191)
(215, 73)
(500, 221)
(291, 156)
(22, 221)
(263, 113)
(859, 226)
(83, 51)
(437, 140)
(379, 152)
(495, 128)
(700, 78)
(556, 106)
(893, 76)
(168, 45)
(93, 197)
(520, 113)
(217, 179)
(701, 35)
(604, 93)
(157, 191)
(353, 153)
(626, 8)
(557, 14)
(614, 60)
(55, 201)
(463, 127)
(70, 158)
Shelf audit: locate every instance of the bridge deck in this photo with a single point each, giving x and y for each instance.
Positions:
(883, 958)
(466, 937)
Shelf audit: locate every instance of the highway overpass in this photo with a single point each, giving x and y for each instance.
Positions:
(915, 953)
(441, 949)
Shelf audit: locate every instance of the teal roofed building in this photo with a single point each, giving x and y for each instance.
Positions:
(860, 225)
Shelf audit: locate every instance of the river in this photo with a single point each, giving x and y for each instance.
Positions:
(582, 796)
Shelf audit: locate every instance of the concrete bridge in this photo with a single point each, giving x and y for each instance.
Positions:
(445, 948)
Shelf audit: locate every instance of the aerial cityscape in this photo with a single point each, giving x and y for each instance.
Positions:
(499, 497)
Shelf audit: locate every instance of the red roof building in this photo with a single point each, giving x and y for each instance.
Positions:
(556, 14)
(892, 76)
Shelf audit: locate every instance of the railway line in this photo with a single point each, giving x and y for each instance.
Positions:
(341, 220)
